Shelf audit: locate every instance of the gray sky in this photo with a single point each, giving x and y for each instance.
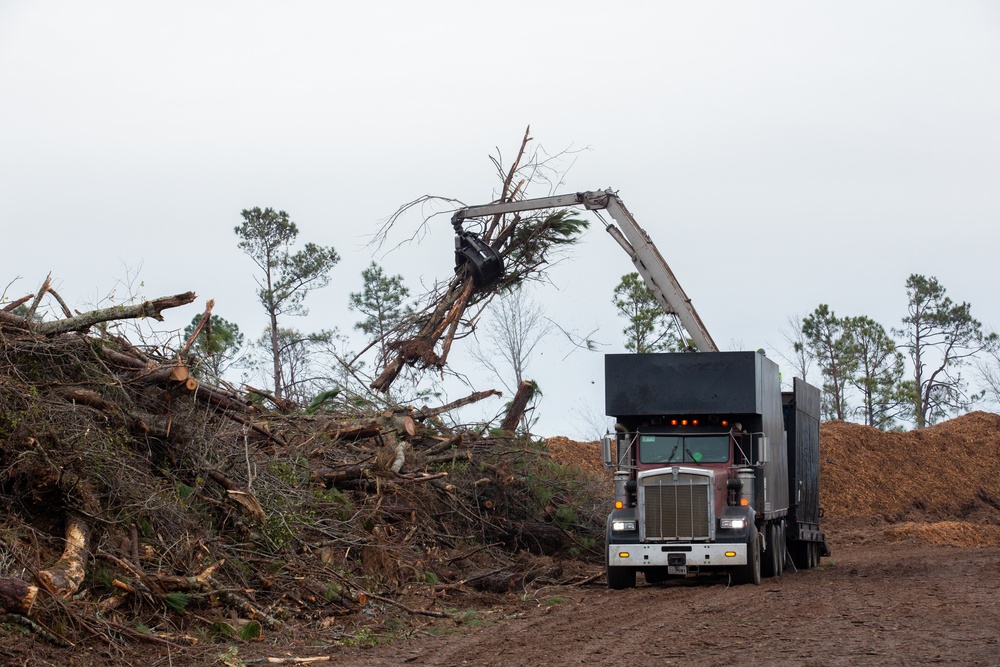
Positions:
(780, 154)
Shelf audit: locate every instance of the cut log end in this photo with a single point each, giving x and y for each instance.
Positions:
(16, 596)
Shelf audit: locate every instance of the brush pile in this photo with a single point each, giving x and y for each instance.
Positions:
(135, 495)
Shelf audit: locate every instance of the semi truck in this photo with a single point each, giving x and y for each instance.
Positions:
(716, 470)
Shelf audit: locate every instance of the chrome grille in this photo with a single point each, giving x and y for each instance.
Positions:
(677, 507)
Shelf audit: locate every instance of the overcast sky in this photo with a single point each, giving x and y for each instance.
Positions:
(780, 154)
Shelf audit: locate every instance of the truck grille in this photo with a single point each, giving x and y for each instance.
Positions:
(677, 506)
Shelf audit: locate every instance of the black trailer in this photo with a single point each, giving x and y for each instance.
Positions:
(801, 408)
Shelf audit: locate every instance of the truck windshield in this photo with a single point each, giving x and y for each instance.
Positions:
(683, 448)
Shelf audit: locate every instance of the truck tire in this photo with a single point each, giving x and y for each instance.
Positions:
(801, 555)
(782, 549)
(750, 573)
(656, 575)
(769, 564)
(620, 577)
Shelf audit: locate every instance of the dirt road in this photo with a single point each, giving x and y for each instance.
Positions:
(906, 603)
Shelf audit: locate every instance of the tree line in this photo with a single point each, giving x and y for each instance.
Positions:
(862, 363)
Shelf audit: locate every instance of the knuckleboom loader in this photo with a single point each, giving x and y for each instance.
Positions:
(716, 470)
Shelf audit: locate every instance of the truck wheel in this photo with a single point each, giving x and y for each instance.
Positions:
(775, 546)
(769, 564)
(620, 577)
(780, 553)
(800, 554)
(656, 576)
(750, 573)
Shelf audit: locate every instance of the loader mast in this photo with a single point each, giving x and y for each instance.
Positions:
(626, 232)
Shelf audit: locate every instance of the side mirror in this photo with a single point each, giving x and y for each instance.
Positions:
(608, 445)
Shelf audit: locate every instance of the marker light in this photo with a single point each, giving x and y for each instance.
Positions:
(730, 554)
(744, 502)
(619, 504)
(725, 422)
(623, 554)
(694, 422)
(673, 422)
(684, 422)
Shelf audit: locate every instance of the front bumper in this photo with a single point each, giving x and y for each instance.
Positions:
(695, 554)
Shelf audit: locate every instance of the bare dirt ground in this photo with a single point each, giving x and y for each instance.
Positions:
(872, 603)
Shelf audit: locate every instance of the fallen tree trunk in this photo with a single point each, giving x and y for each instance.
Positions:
(205, 320)
(525, 391)
(152, 309)
(16, 596)
(241, 494)
(331, 476)
(18, 302)
(474, 397)
(12, 320)
(66, 575)
(367, 429)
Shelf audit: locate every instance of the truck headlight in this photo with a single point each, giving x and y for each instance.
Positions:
(618, 526)
(737, 524)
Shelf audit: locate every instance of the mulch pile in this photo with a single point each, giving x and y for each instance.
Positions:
(583, 455)
(940, 484)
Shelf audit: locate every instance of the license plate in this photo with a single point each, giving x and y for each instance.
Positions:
(677, 569)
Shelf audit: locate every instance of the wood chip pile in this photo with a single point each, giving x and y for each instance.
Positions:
(583, 455)
(946, 472)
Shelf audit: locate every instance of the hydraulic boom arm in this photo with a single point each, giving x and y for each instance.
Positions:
(630, 236)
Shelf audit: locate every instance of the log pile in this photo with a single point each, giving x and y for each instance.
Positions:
(132, 491)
